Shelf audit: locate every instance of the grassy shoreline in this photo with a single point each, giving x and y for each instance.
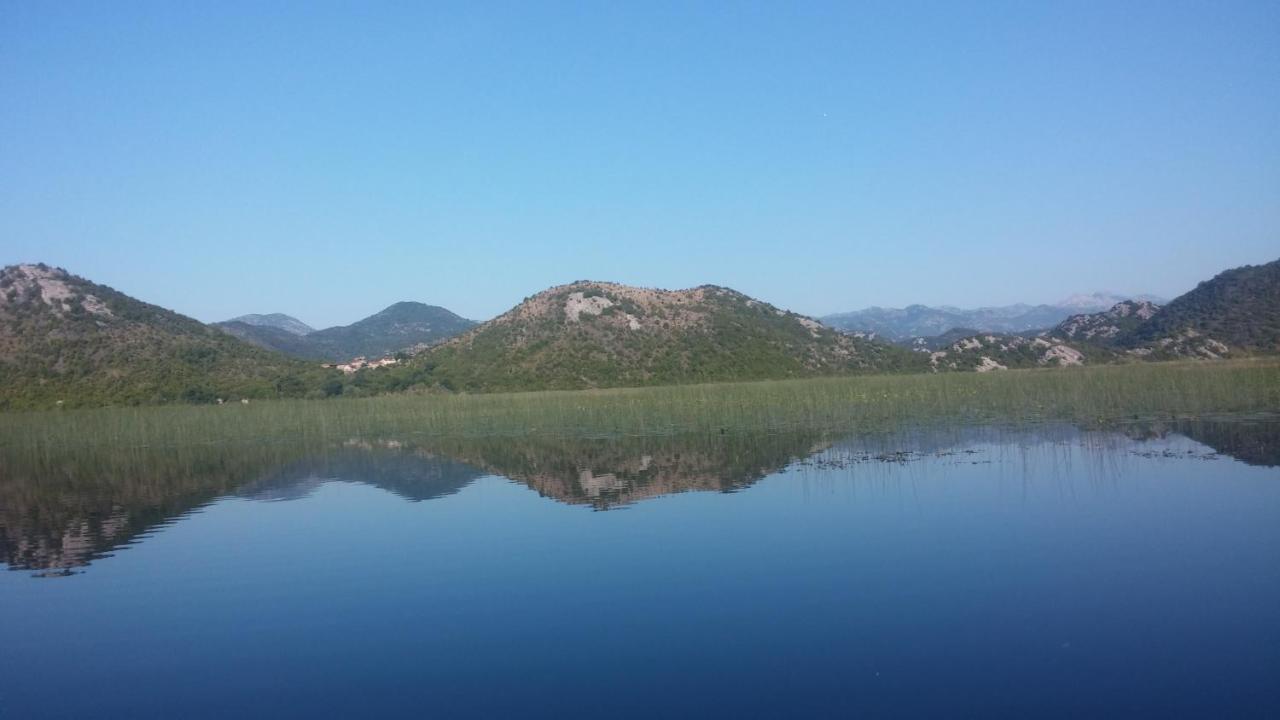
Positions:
(1140, 390)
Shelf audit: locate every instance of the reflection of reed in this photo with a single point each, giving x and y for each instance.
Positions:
(67, 513)
(64, 512)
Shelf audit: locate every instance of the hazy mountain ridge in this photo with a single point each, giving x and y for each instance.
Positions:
(923, 321)
(273, 338)
(288, 323)
(401, 327)
(1098, 301)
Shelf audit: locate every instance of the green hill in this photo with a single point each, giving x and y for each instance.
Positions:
(1239, 308)
(64, 338)
(401, 326)
(596, 334)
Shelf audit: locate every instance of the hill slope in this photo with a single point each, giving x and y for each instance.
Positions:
(399, 327)
(1236, 312)
(1109, 327)
(1239, 308)
(65, 338)
(596, 334)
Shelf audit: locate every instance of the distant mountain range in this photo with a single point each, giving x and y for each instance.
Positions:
(1235, 313)
(400, 327)
(923, 321)
(65, 339)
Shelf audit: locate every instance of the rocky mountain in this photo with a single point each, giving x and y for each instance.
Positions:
(1238, 309)
(987, 352)
(922, 321)
(1108, 327)
(288, 323)
(597, 334)
(1235, 313)
(402, 326)
(66, 340)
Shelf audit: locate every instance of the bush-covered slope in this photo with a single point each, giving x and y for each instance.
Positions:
(1239, 308)
(594, 334)
(399, 327)
(64, 338)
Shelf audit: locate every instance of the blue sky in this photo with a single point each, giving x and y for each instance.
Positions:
(327, 159)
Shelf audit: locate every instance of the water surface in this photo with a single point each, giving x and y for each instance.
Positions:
(980, 572)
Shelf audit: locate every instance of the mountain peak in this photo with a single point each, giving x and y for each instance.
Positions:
(58, 290)
(404, 325)
(288, 323)
(601, 334)
(1091, 301)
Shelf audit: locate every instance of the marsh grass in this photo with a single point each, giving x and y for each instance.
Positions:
(845, 404)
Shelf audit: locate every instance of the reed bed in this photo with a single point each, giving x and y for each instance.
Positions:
(871, 403)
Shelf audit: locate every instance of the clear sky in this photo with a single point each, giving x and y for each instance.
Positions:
(327, 159)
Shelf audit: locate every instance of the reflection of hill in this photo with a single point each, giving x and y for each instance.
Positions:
(1251, 441)
(64, 514)
(412, 474)
(606, 473)
(66, 511)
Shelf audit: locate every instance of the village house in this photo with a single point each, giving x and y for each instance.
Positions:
(361, 363)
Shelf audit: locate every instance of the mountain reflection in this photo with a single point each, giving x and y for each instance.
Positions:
(1254, 442)
(65, 514)
(607, 473)
(390, 465)
(59, 514)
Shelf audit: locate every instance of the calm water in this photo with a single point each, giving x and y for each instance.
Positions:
(962, 573)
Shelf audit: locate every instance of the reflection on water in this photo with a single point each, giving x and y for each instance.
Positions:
(608, 473)
(412, 473)
(60, 514)
(1252, 441)
(1044, 571)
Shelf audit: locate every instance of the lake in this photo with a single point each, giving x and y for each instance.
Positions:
(1043, 571)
